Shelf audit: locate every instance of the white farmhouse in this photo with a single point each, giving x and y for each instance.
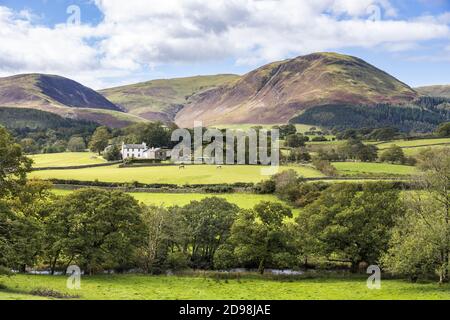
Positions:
(141, 151)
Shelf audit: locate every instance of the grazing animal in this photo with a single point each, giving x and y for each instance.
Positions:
(219, 167)
(181, 167)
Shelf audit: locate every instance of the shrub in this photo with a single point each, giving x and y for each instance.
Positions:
(265, 187)
(394, 154)
(325, 167)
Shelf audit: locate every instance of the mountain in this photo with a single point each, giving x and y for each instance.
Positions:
(435, 91)
(277, 92)
(163, 99)
(61, 96)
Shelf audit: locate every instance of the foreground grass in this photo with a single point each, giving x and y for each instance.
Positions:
(201, 174)
(65, 159)
(245, 201)
(358, 168)
(139, 287)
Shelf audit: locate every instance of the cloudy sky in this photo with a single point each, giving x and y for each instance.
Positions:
(104, 43)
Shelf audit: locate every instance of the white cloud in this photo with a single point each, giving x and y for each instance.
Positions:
(140, 33)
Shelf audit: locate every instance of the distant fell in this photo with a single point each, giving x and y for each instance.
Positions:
(279, 91)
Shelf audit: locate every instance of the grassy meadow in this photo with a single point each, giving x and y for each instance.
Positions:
(65, 159)
(413, 148)
(242, 200)
(140, 287)
(200, 174)
(357, 168)
(414, 143)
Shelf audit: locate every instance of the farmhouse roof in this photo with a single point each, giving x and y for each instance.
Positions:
(135, 146)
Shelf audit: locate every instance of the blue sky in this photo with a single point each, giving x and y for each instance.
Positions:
(120, 42)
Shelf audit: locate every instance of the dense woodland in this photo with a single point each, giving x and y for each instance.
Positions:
(43, 132)
(421, 116)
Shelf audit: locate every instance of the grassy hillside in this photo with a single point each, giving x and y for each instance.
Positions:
(201, 174)
(65, 159)
(359, 168)
(162, 99)
(414, 143)
(277, 92)
(435, 91)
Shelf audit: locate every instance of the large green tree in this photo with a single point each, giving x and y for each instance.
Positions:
(155, 134)
(296, 140)
(259, 238)
(99, 140)
(394, 154)
(354, 149)
(208, 223)
(350, 224)
(76, 144)
(421, 239)
(95, 229)
(161, 231)
(14, 165)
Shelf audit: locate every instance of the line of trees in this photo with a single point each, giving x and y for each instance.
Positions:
(356, 150)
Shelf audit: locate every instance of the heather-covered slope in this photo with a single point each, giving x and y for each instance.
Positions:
(279, 91)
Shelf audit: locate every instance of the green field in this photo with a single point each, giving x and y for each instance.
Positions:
(245, 201)
(65, 159)
(201, 174)
(415, 151)
(137, 287)
(414, 143)
(358, 168)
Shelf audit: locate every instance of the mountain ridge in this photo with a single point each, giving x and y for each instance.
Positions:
(435, 90)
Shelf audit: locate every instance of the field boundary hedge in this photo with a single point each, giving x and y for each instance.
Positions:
(86, 166)
(203, 188)
(156, 188)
